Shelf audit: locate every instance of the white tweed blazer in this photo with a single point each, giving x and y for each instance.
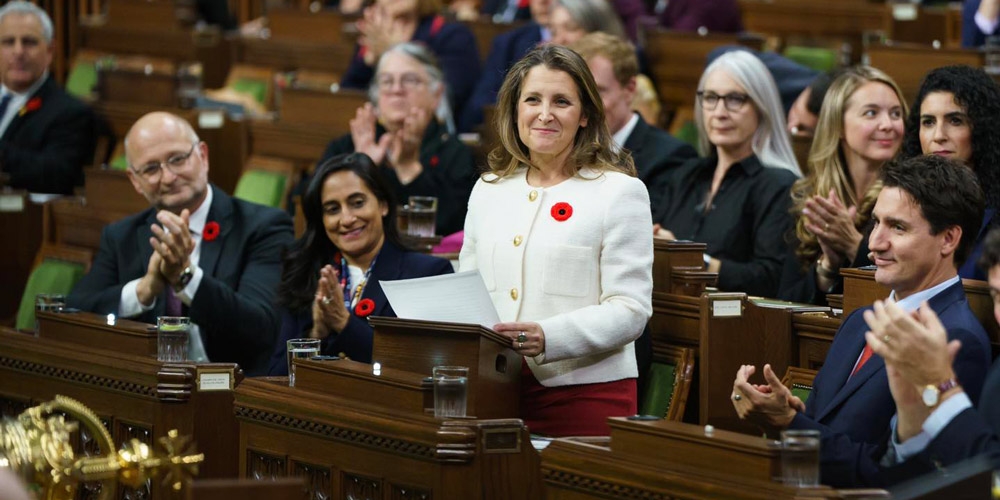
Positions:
(586, 280)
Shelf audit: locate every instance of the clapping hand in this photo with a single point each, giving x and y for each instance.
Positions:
(173, 243)
(404, 150)
(363, 134)
(833, 225)
(771, 405)
(328, 311)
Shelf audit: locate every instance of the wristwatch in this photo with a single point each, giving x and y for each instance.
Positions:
(184, 279)
(932, 393)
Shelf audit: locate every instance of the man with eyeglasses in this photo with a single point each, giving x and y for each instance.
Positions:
(46, 136)
(196, 252)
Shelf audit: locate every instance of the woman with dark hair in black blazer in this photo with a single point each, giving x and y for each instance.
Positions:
(330, 279)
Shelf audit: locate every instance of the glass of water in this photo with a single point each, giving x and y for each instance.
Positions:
(422, 216)
(300, 349)
(51, 302)
(172, 338)
(450, 391)
(800, 458)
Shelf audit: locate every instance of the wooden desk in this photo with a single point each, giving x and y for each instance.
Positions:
(662, 459)
(134, 396)
(302, 144)
(112, 190)
(321, 109)
(24, 227)
(908, 63)
(369, 449)
(816, 22)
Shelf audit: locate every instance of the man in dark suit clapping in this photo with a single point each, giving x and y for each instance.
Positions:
(46, 136)
(196, 252)
(615, 66)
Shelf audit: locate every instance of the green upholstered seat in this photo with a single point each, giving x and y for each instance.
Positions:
(801, 391)
(817, 58)
(51, 276)
(689, 133)
(259, 186)
(659, 390)
(256, 89)
(82, 79)
(119, 163)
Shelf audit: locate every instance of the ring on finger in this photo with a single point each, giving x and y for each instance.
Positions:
(522, 337)
(886, 339)
(520, 345)
(737, 397)
(327, 300)
(826, 227)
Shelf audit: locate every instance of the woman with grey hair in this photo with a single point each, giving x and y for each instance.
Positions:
(406, 130)
(571, 19)
(735, 199)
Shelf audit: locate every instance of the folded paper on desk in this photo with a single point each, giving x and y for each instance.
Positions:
(455, 298)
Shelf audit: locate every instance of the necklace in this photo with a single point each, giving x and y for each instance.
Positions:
(350, 297)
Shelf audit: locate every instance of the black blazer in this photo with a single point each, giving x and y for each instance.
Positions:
(355, 341)
(656, 153)
(234, 304)
(44, 149)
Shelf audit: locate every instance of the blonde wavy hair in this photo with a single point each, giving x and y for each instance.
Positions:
(592, 146)
(828, 166)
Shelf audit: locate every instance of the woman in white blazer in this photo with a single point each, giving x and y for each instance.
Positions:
(558, 228)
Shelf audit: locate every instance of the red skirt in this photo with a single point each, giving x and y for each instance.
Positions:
(574, 410)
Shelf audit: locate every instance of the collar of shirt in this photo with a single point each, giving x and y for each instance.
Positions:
(749, 166)
(18, 101)
(622, 135)
(200, 216)
(31, 90)
(912, 302)
(546, 33)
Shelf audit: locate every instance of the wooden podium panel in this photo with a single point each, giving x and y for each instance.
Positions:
(667, 460)
(419, 346)
(88, 329)
(135, 397)
(359, 449)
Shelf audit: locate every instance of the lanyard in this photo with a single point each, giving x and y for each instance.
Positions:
(345, 282)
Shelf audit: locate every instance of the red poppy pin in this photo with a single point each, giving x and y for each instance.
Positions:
(434, 161)
(562, 211)
(364, 308)
(211, 231)
(33, 104)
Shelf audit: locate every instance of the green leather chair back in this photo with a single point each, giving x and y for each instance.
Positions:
(82, 79)
(119, 163)
(801, 391)
(689, 133)
(659, 390)
(259, 186)
(817, 58)
(51, 276)
(254, 88)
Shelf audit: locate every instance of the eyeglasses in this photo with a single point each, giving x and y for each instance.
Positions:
(152, 170)
(734, 100)
(408, 81)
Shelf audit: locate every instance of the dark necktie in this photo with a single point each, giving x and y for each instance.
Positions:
(174, 304)
(4, 104)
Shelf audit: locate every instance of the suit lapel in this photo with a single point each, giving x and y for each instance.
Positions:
(19, 118)
(387, 267)
(841, 384)
(221, 212)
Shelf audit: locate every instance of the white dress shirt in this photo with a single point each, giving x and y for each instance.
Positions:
(129, 305)
(17, 101)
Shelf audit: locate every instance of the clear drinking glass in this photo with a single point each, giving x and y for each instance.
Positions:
(172, 338)
(300, 349)
(800, 458)
(51, 302)
(450, 390)
(422, 215)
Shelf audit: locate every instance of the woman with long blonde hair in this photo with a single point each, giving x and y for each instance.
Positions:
(860, 128)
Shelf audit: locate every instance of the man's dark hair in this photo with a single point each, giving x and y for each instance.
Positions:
(818, 89)
(991, 251)
(947, 193)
